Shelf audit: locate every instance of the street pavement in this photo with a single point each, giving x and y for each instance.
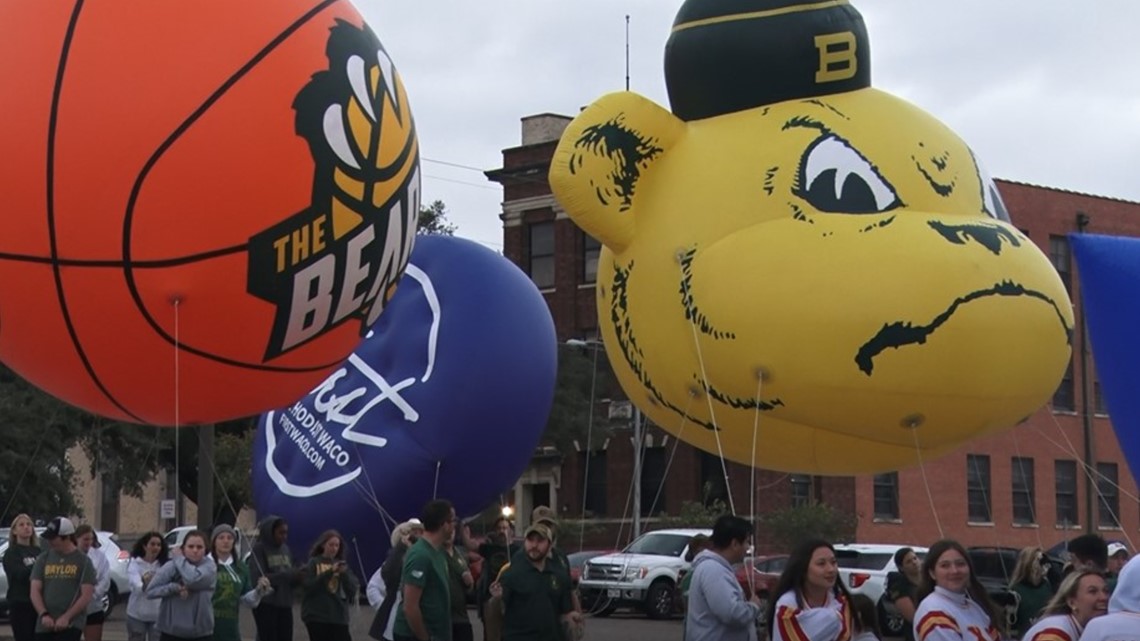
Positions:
(619, 627)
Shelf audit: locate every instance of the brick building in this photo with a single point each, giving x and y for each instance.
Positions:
(1025, 486)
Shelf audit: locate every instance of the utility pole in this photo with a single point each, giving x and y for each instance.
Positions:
(1086, 391)
(637, 445)
(205, 476)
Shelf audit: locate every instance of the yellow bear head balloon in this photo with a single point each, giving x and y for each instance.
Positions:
(793, 250)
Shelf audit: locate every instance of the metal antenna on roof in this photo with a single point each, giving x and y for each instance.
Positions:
(627, 52)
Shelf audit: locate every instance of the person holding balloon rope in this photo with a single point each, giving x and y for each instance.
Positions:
(813, 604)
(1082, 596)
(952, 603)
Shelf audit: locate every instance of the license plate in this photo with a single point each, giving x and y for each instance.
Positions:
(613, 594)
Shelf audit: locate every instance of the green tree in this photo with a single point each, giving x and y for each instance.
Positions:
(788, 527)
(231, 469)
(580, 378)
(433, 220)
(36, 476)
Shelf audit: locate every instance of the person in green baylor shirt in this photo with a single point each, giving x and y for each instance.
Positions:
(63, 582)
(535, 592)
(426, 612)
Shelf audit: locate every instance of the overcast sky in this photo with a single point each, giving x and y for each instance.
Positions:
(1046, 92)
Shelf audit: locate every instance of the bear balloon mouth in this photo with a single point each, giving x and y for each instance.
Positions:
(902, 333)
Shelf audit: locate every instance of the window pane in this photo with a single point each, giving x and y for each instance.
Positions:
(801, 490)
(1021, 473)
(1065, 473)
(595, 482)
(652, 481)
(542, 271)
(887, 496)
(1108, 495)
(541, 249)
(1064, 397)
(978, 488)
(1059, 256)
(590, 250)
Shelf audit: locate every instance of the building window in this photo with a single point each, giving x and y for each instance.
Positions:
(713, 487)
(591, 248)
(978, 488)
(1108, 495)
(1065, 473)
(1024, 494)
(1063, 397)
(801, 490)
(1098, 399)
(1062, 262)
(541, 253)
(595, 499)
(653, 481)
(887, 496)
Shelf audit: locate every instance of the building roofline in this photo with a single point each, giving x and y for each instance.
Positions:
(1067, 191)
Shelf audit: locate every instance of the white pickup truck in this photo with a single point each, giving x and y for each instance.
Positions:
(644, 575)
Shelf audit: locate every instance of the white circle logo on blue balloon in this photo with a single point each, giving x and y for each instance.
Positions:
(447, 397)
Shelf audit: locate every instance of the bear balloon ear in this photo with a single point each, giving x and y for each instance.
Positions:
(603, 154)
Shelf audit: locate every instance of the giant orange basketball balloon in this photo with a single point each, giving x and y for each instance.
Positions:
(205, 204)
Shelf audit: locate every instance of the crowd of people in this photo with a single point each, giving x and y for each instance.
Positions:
(56, 586)
(1095, 598)
(524, 592)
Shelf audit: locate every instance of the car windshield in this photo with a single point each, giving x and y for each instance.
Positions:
(659, 544)
(862, 560)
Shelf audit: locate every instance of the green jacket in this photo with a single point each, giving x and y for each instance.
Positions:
(326, 595)
(232, 588)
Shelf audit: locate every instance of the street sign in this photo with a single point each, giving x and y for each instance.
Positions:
(167, 509)
(621, 409)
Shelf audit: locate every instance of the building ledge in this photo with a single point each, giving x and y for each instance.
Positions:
(879, 519)
(1027, 526)
(980, 524)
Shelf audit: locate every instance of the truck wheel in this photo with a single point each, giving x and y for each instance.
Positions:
(659, 601)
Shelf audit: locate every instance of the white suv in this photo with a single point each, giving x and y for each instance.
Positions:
(864, 568)
(643, 575)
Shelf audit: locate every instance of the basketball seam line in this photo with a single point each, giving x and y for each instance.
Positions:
(128, 265)
(53, 117)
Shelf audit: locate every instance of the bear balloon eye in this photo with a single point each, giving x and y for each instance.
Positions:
(991, 199)
(836, 179)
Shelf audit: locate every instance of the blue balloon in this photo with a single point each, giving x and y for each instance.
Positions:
(446, 397)
(1109, 269)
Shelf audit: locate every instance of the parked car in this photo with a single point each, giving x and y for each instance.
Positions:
(864, 568)
(765, 575)
(119, 589)
(994, 567)
(578, 561)
(644, 575)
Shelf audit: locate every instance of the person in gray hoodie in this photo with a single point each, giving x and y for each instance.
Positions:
(718, 610)
(272, 559)
(186, 587)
